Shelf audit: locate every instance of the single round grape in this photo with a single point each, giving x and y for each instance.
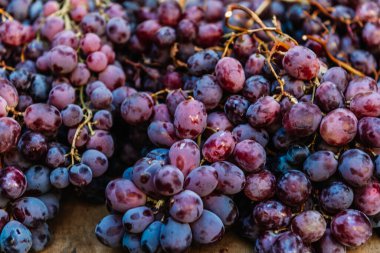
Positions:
(162, 134)
(186, 30)
(363, 61)
(244, 45)
(33, 146)
(101, 98)
(15, 237)
(236, 108)
(202, 180)
(336, 197)
(62, 59)
(72, 115)
(174, 98)
(150, 238)
(12, 33)
(356, 167)
(137, 219)
(175, 236)
(161, 113)
(219, 146)
(62, 95)
(367, 198)
(185, 155)
(339, 127)
(131, 242)
(260, 186)
(369, 131)
(231, 179)
(143, 175)
(288, 242)
(293, 188)
(320, 166)
(9, 93)
(118, 30)
(367, 11)
(209, 34)
(328, 97)
(93, 22)
(90, 43)
(297, 154)
(168, 180)
(250, 155)
(110, 230)
(82, 138)
(96, 161)
(40, 237)
(223, 206)
(147, 29)
(101, 140)
(366, 104)
(92, 86)
(112, 76)
(263, 112)
(329, 244)
(265, 241)
(165, 37)
(208, 228)
(3, 107)
(120, 94)
(186, 206)
(51, 201)
(301, 63)
(24, 102)
(309, 225)
(190, 119)
(218, 121)
(103, 120)
(255, 87)
(208, 92)
(66, 38)
(137, 108)
(302, 119)
(159, 154)
(360, 85)
(20, 79)
(202, 62)
(42, 118)
(38, 181)
(122, 195)
(245, 131)
(271, 214)
(40, 88)
(10, 131)
(97, 61)
(337, 76)
(254, 65)
(12, 182)
(351, 228)
(80, 174)
(30, 211)
(169, 13)
(52, 26)
(230, 74)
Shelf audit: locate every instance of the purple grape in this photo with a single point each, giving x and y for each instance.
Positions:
(366, 104)
(338, 127)
(175, 236)
(185, 155)
(93, 22)
(113, 77)
(244, 45)
(65, 38)
(62, 59)
(218, 121)
(159, 154)
(190, 119)
(169, 13)
(62, 95)
(223, 206)
(40, 237)
(231, 179)
(202, 180)
(260, 186)
(92, 86)
(360, 85)
(271, 214)
(30, 211)
(202, 62)
(110, 230)
(208, 92)
(209, 34)
(255, 87)
(52, 26)
(208, 228)
(336, 197)
(103, 120)
(101, 140)
(369, 131)
(38, 181)
(42, 118)
(4, 218)
(301, 63)
(137, 219)
(174, 98)
(356, 167)
(363, 61)
(219, 146)
(309, 225)
(12, 182)
(186, 206)
(10, 131)
(162, 134)
(97, 61)
(328, 97)
(15, 237)
(186, 30)
(96, 161)
(293, 188)
(80, 175)
(131, 242)
(254, 65)
(250, 155)
(147, 29)
(161, 113)
(143, 174)
(118, 30)
(33, 146)
(168, 180)
(3, 107)
(329, 244)
(320, 166)
(288, 242)
(337, 76)
(120, 94)
(101, 98)
(351, 228)
(230, 74)
(245, 131)
(367, 198)
(165, 37)
(263, 112)
(236, 108)
(265, 242)
(137, 108)
(9, 92)
(72, 115)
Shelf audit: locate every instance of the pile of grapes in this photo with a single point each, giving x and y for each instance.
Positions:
(190, 119)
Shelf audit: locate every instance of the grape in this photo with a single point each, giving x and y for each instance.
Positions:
(366, 104)
(328, 244)
(131, 242)
(301, 63)
(169, 13)
(72, 115)
(367, 11)
(101, 98)
(90, 43)
(62, 59)
(103, 120)
(118, 30)
(186, 207)
(287, 242)
(219, 146)
(208, 228)
(92, 86)
(93, 22)
(293, 188)
(137, 219)
(165, 37)
(96, 161)
(236, 108)
(12, 33)
(62, 95)
(137, 108)
(143, 174)
(101, 140)
(377, 166)
(185, 155)
(360, 85)
(297, 154)
(147, 29)
(33, 146)
(208, 91)
(245, 131)
(82, 138)
(230, 74)
(51, 201)
(112, 76)
(159, 154)
(168, 180)
(109, 52)
(309, 225)
(351, 228)
(250, 155)
(15, 237)
(186, 30)
(263, 112)
(150, 238)
(97, 61)
(292, 86)
(271, 214)
(223, 206)
(161, 113)
(209, 34)
(40, 237)
(231, 179)
(8, 92)
(162, 134)
(260, 186)
(254, 65)
(363, 61)
(38, 181)
(80, 174)
(121, 93)
(367, 198)
(110, 230)
(30, 211)
(369, 131)
(328, 97)
(320, 166)
(9, 133)
(202, 62)
(265, 241)
(175, 236)
(255, 87)
(20, 79)
(337, 76)
(65, 38)
(12, 182)
(338, 127)
(24, 102)
(356, 167)
(190, 119)
(336, 197)
(302, 119)
(174, 98)
(194, 13)
(40, 88)
(202, 180)
(244, 45)
(3, 107)
(42, 118)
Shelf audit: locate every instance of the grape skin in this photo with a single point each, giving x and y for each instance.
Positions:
(185, 155)
(367, 198)
(219, 146)
(202, 180)
(260, 186)
(309, 225)
(320, 166)
(12, 241)
(42, 118)
(369, 131)
(137, 219)
(186, 207)
(231, 179)
(250, 155)
(230, 74)
(208, 228)
(293, 188)
(245, 131)
(223, 206)
(112, 223)
(168, 180)
(9, 133)
(271, 214)
(336, 197)
(175, 236)
(30, 211)
(264, 112)
(301, 63)
(190, 119)
(150, 238)
(356, 167)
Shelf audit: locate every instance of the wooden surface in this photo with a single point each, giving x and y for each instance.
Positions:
(73, 232)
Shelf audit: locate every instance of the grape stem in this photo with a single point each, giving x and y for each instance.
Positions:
(5, 15)
(5, 66)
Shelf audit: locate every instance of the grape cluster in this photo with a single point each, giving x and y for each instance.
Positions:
(192, 118)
